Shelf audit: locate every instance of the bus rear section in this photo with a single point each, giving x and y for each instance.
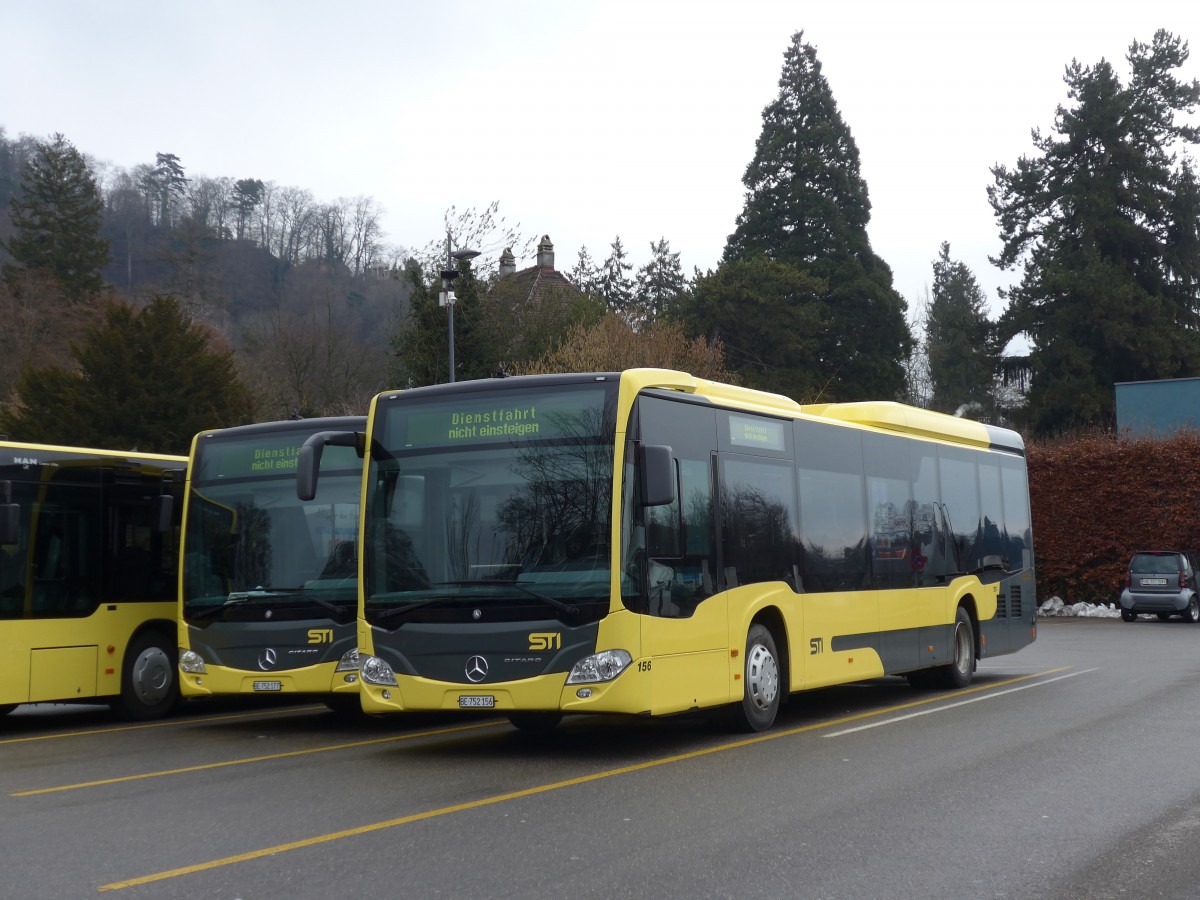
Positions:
(88, 568)
(269, 583)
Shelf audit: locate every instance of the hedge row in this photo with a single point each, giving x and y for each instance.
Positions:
(1098, 499)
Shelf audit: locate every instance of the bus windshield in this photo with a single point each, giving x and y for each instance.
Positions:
(499, 501)
(252, 546)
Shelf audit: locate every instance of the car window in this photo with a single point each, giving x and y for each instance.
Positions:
(1156, 563)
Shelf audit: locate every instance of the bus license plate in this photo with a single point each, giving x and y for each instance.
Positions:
(268, 685)
(476, 701)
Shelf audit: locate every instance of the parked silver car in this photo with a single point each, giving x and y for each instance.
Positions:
(1162, 582)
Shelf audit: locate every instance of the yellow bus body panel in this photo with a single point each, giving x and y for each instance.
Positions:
(48, 660)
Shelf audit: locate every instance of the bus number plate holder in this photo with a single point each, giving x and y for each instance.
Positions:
(476, 701)
(268, 686)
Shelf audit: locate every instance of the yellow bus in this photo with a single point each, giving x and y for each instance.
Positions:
(268, 588)
(648, 542)
(88, 562)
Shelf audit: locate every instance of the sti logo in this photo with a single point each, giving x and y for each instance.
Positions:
(320, 635)
(545, 640)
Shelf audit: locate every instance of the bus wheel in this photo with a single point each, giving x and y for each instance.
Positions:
(149, 686)
(535, 722)
(760, 702)
(958, 673)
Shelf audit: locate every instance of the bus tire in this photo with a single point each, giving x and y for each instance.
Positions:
(760, 677)
(535, 722)
(962, 644)
(149, 683)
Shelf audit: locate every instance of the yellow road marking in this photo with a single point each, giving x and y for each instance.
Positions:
(252, 759)
(542, 789)
(164, 724)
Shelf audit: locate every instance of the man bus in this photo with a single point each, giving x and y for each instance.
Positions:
(648, 542)
(88, 565)
(269, 585)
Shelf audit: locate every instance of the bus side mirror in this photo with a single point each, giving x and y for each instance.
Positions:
(308, 460)
(658, 474)
(164, 512)
(164, 503)
(10, 516)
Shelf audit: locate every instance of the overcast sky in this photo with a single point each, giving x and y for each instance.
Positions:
(585, 120)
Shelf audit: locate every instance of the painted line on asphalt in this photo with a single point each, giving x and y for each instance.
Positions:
(204, 767)
(928, 712)
(166, 723)
(535, 790)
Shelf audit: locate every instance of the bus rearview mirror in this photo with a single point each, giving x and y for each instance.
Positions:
(308, 460)
(658, 474)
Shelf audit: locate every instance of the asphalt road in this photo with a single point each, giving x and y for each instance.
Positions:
(1068, 770)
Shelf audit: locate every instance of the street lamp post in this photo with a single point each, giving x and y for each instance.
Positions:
(446, 298)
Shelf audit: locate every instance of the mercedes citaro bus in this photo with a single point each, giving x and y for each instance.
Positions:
(648, 542)
(268, 588)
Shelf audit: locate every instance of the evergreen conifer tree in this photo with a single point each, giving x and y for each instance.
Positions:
(584, 274)
(148, 380)
(962, 362)
(56, 217)
(660, 285)
(615, 284)
(807, 207)
(1104, 224)
(770, 319)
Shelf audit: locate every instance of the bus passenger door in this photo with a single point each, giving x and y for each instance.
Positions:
(685, 629)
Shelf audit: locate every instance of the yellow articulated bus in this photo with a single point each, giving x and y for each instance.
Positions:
(88, 562)
(647, 542)
(268, 588)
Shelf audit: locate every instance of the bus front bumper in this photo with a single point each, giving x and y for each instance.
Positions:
(624, 694)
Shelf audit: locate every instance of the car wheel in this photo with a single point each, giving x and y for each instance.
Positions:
(1128, 615)
(1192, 613)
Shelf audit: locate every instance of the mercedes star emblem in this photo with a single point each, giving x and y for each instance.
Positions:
(476, 669)
(267, 659)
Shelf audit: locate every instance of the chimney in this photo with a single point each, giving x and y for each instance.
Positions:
(508, 262)
(545, 257)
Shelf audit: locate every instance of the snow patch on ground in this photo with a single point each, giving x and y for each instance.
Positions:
(1056, 607)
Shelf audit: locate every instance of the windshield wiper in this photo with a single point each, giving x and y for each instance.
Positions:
(569, 608)
(397, 612)
(237, 598)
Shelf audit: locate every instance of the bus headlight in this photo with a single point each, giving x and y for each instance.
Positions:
(349, 661)
(192, 662)
(375, 671)
(599, 667)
